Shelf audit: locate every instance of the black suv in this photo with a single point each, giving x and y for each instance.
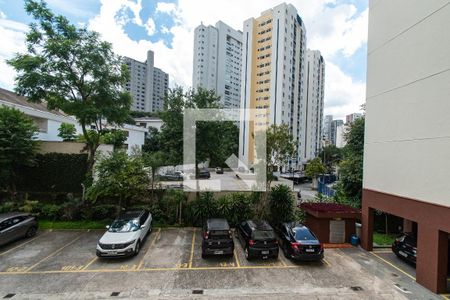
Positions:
(405, 247)
(299, 242)
(203, 174)
(217, 238)
(258, 239)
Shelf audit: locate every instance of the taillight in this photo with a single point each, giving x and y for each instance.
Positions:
(276, 242)
(251, 242)
(206, 235)
(295, 245)
(321, 246)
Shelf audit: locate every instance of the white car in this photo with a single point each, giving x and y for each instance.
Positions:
(126, 234)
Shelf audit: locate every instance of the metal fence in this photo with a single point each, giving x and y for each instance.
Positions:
(322, 185)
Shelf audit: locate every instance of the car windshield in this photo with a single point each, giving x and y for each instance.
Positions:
(303, 234)
(263, 234)
(124, 226)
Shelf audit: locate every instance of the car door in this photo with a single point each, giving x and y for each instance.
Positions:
(143, 222)
(6, 232)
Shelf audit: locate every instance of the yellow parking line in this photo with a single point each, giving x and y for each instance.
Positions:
(90, 263)
(238, 264)
(327, 262)
(151, 244)
(445, 296)
(394, 266)
(18, 246)
(382, 251)
(147, 269)
(56, 252)
(192, 249)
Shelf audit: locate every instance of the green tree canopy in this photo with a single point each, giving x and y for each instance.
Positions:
(215, 141)
(330, 156)
(280, 146)
(314, 168)
(67, 132)
(116, 137)
(351, 168)
(152, 142)
(17, 145)
(119, 176)
(72, 70)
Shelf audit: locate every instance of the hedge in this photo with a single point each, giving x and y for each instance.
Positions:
(54, 172)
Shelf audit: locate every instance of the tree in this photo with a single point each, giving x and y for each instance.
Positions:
(72, 70)
(154, 160)
(171, 137)
(115, 137)
(313, 169)
(279, 149)
(330, 156)
(17, 145)
(349, 190)
(152, 142)
(215, 141)
(67, 132)
(281, 204)
(119, 176)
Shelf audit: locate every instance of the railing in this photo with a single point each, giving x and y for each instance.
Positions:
(322, 185)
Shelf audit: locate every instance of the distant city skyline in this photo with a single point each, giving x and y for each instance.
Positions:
(337, 29)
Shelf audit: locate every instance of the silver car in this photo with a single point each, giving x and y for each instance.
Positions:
(125, 235)
(14, 226)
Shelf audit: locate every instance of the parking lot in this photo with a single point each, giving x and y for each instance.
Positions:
(64, 264)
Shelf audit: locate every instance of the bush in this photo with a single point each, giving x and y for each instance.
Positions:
(9, 206)
(281, 204)
(49, 211)
(54, 172)
(234, 207)
(101, 212)
(202, 208)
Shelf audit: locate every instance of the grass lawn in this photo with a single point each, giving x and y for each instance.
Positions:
(383, 239)
(47, 224)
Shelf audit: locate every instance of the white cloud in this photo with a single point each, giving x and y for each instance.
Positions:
(165, 7)
(334, 30)
(13, 41)
(2, 15)
(343, 95)
(74, 7)
(150, 27)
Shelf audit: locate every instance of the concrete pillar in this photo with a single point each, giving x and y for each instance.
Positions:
(367, 227)
(432, 256)
(407, 225)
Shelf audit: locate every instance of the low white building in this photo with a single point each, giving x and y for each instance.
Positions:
(148, 122)
(49, 121)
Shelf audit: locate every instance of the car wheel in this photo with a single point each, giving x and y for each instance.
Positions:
(247, 254)
(137, 248)
(31, 232)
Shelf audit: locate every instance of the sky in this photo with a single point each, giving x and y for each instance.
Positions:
(337, 28)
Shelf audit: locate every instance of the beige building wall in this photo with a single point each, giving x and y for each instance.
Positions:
(407, 141)
(70, 147)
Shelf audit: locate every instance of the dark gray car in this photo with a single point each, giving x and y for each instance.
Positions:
(14, 226)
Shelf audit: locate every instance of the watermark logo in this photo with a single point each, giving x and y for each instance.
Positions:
(245, 175)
